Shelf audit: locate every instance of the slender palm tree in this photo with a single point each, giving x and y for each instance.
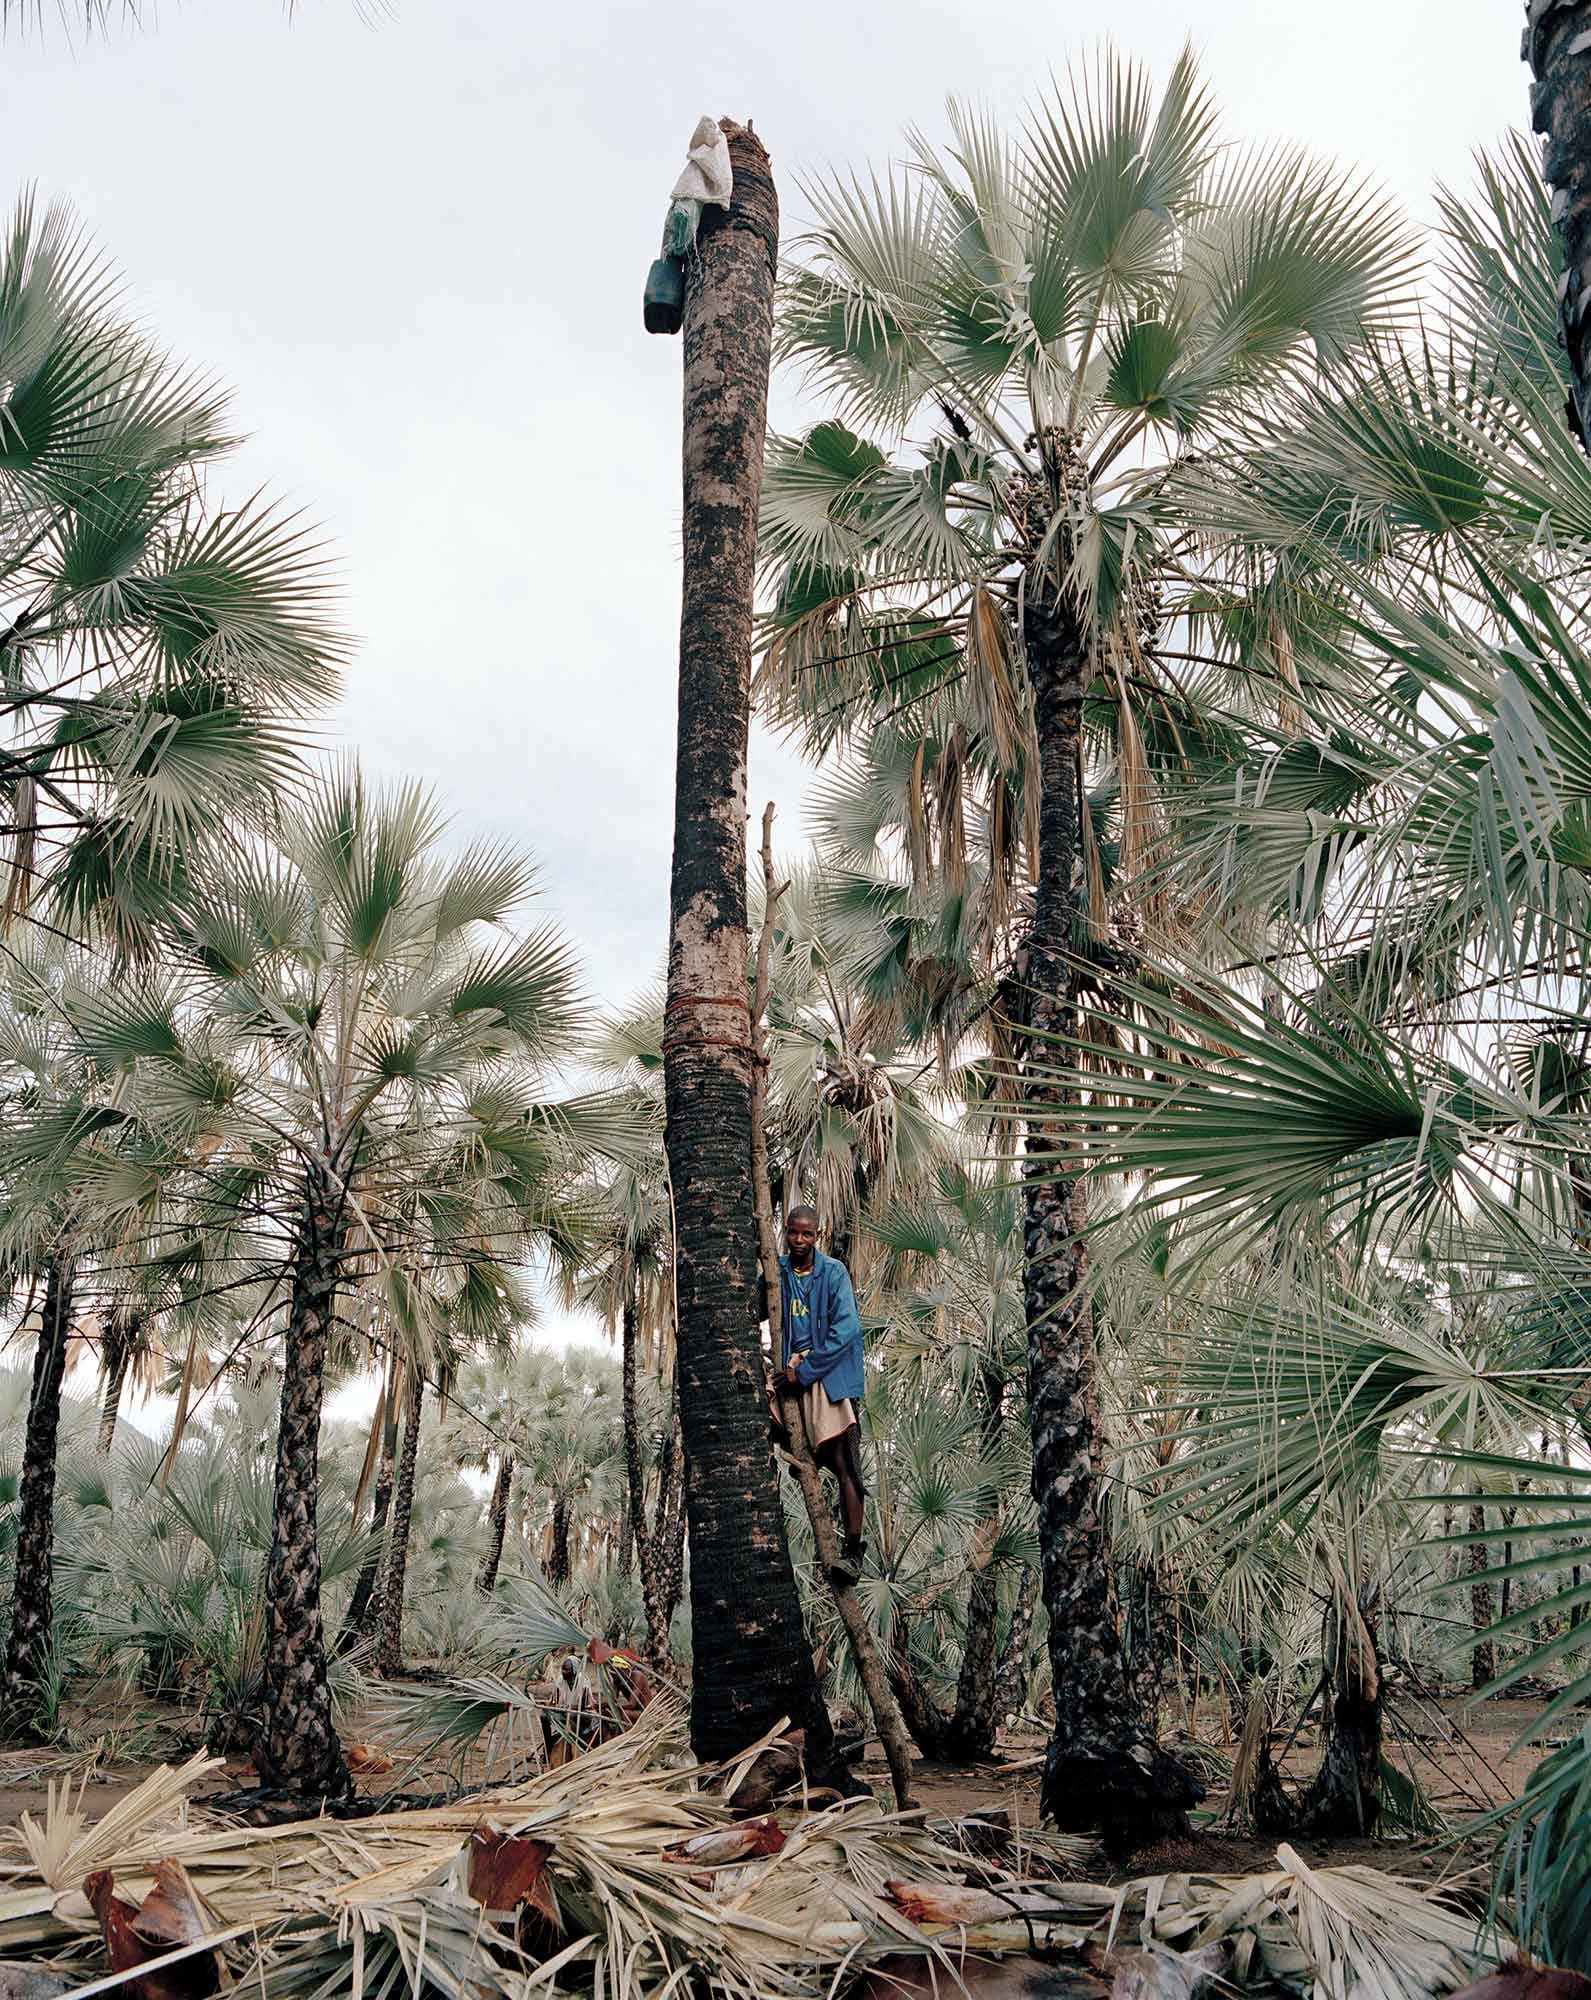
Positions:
(353, 1015)
(484, 1437)
(1368, 1124)
(86, 1178)
(572, 1445)
(1045, 330)
(157, 647)
(632, 1286)
(389, 1650)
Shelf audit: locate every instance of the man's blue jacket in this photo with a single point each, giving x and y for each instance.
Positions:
(831, 1338)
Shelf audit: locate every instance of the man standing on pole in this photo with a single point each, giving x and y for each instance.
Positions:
(821, 1363)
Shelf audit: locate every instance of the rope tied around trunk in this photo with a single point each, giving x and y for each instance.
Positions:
(680, 1039)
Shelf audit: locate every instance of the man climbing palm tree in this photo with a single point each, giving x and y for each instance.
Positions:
(821, 1357)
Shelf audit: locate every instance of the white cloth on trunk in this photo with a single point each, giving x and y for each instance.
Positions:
(706, 175)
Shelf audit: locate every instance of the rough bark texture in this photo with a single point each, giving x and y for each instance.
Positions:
(1103, 1768)
(389, 1654)
(497, 1517)
(24, 1700)
(1152, 1635)
(558, 1552)
(1558, 49)
(118, 1356)
(751, 1663)
(973, 1721)
(299, 1750)
(626, 1555)
(1482, 1611)
(1011, 1687)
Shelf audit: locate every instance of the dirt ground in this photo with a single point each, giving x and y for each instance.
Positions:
(1467, 1758)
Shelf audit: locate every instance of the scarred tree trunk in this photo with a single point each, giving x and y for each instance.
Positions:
(752, 1664)
(24, 1701)
(119, 1339)
(299, 1750)
(1558, 49)
(497, 1517)
(1103, 1768)
(389, 1654)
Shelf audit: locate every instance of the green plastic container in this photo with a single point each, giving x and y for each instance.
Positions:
(663, 304)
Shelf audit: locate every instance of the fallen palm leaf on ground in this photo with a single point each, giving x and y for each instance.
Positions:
(621, 1874)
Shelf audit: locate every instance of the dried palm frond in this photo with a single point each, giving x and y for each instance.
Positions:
(626, 1887)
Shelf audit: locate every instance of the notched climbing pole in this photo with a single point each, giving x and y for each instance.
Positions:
(864, 1647)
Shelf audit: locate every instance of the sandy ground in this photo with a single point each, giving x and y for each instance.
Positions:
(1466, 1756)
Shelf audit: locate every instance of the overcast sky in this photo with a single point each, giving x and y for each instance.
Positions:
(414, 246)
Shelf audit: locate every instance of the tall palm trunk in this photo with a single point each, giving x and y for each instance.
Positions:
(364, 1607)
(751, 1663)
(389, 1653)
(497, 1515)
(299, 1749)
(1103, 1768)
(1558, 50)
(24, 1699)
(647, 1549)
(120, 1335)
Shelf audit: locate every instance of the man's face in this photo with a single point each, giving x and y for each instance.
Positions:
(800, 1239)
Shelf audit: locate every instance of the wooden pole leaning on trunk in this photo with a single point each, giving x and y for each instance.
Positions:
(864, 1648)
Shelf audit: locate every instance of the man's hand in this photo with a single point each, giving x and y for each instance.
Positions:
(789, 1376)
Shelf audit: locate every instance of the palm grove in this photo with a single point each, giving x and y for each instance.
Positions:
(1178, 1019)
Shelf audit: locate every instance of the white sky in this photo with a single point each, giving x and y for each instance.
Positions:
(415, 250)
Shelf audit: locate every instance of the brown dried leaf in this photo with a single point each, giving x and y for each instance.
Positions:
(135, 1937)
(507, 1870)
